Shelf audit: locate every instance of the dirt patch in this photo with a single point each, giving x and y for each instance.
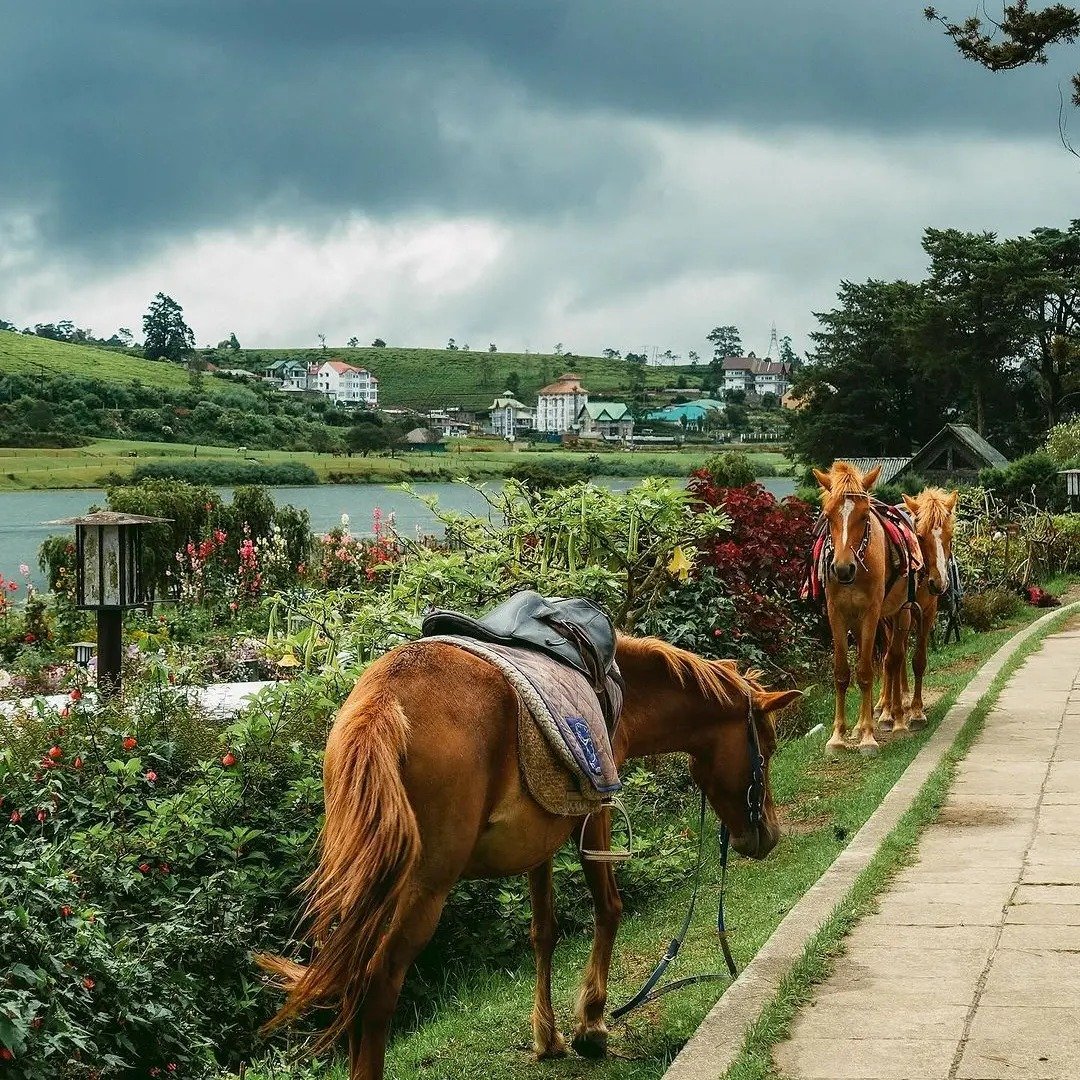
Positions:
(960, 816)
(796, 821)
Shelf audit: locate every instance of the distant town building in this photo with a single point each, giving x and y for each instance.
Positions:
(691, 414)
(344, 384)
(291, 374)
(510, 418)
(756, 376)
(605, 420)
(558, 405)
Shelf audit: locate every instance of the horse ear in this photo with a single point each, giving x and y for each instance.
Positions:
(911, 503)
(824, 479)
(770, 702)
(950, 499)
(869, 479)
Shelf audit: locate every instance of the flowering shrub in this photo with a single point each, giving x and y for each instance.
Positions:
(346, 561)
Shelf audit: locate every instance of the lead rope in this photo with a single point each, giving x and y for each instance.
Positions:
(647, 992)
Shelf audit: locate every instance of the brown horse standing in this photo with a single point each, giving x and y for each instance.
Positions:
(934, 511)
(857, 600)
(423, 787)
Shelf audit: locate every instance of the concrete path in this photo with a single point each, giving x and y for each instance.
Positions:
(971, 967)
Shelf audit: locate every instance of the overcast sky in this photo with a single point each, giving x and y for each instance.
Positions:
(619, 173)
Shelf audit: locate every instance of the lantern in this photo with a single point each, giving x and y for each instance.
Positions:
(1072, 483)
(109, 579)
(84, 651)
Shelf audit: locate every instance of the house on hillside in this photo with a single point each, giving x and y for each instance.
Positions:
(558, 404)
(756, 376)
(605, 420)
(691, 414)
(290, 374)
(345, 384)
(955, 455)
(510, 418)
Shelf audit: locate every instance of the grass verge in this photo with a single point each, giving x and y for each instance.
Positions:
(476, 1021)
(897, 851)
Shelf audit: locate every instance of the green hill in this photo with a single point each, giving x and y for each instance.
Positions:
(26, 355)
(423, 378)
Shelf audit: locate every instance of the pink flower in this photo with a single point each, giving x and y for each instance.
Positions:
(13, 586)
(144, 868)
(229, 759)
(41, 815)
(24, 569)
(55, 752)
(151, 776)
(16, 817)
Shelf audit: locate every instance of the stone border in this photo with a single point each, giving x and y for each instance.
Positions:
(719, 1039)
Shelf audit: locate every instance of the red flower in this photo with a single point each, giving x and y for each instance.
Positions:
(65, 912)
(29, 639)
(76, 694)
(5, 1054)
(171, 1066)
(65, 711)
(151, 776)
(16, 817)
(48, 763)
(129, 743)
(55, 752)
(229, 759)
(144, 868)
(164, 868)
(41, 815)
(89, 983)
(78, 763)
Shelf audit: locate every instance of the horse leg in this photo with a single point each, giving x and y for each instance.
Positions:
(410, 932)
(864, 675)
(841, 681)
(895, 662)
(547, 1039)
(881, 708)
(917, 714)
(590, 1038)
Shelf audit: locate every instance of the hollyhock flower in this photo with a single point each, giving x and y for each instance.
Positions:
(13, 586)
(24, 569)
(89, 983)
(78, 763)
(229, 759)
(76, 694)
(129, 743)
(144, 868)
(16, 817)
(41, 815)
(151, 776)
(65, 912)
(55, 752)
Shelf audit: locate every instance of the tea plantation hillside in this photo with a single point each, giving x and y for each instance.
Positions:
(26, 355)
(423, 378)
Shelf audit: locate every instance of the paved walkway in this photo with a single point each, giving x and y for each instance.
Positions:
(971, 967)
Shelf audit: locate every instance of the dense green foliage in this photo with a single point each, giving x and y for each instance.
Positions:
(989, 337)
(219, 471)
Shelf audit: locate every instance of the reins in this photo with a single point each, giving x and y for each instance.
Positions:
(755, 805)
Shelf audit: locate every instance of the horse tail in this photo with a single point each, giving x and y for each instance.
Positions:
(881, 642)
(369, 845)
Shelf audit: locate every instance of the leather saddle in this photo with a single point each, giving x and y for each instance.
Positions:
(575, 632)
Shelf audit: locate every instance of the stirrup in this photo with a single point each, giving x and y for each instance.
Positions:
(608, 856)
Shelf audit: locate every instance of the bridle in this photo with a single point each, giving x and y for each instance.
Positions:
(859, 553)
(755, 812)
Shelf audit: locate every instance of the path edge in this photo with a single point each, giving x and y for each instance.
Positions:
(721, 1036)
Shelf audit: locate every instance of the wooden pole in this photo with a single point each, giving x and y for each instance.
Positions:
(110, 622)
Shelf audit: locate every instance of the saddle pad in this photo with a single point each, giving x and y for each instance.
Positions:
(564, 706)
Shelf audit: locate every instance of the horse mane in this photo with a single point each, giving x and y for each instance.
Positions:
(846, 480)
(720, 680)
(933, 513)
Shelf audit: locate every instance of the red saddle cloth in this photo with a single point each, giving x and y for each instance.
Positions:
(901, 540)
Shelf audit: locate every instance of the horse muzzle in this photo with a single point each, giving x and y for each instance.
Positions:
(758, 842)
(936, 589)
(844, 573)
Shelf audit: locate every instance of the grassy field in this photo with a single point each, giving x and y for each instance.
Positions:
(26, 470)
(479, 1023)
(422, 378)
(26, 354)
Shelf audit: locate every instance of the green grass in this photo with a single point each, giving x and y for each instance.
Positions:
(422, 378)
(25, 354)
(36, 469)
(478, 1023)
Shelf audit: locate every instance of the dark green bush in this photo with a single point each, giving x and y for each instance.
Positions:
(219, 472)
(1032, 477)
(731, 469)
(990, 608)
(539, 476)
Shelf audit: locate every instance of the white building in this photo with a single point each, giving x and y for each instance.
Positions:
(558, 405)
(509, 417)
(344, 384)
(756, 376)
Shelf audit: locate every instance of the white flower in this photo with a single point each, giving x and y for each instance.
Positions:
(344, 521)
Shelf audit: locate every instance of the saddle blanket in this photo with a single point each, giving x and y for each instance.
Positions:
(901, 541)
(563, 705)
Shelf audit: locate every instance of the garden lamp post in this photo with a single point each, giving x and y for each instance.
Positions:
(109, 580)
(84, 651)
(1072, 485)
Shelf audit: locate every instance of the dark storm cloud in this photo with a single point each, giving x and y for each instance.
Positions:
(128, 121)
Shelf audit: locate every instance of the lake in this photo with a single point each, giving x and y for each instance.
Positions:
(22, 512)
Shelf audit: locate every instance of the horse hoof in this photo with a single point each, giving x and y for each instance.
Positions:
(916, 721)
(887, 723)
(835, 747)
(591, 1044)
(901, 730)
(557, 1049)
(869, 749)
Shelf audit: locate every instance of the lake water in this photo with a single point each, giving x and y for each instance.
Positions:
(23, 512)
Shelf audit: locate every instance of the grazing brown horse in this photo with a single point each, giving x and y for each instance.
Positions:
(423, 787)
(857, 599)
(934, 512)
